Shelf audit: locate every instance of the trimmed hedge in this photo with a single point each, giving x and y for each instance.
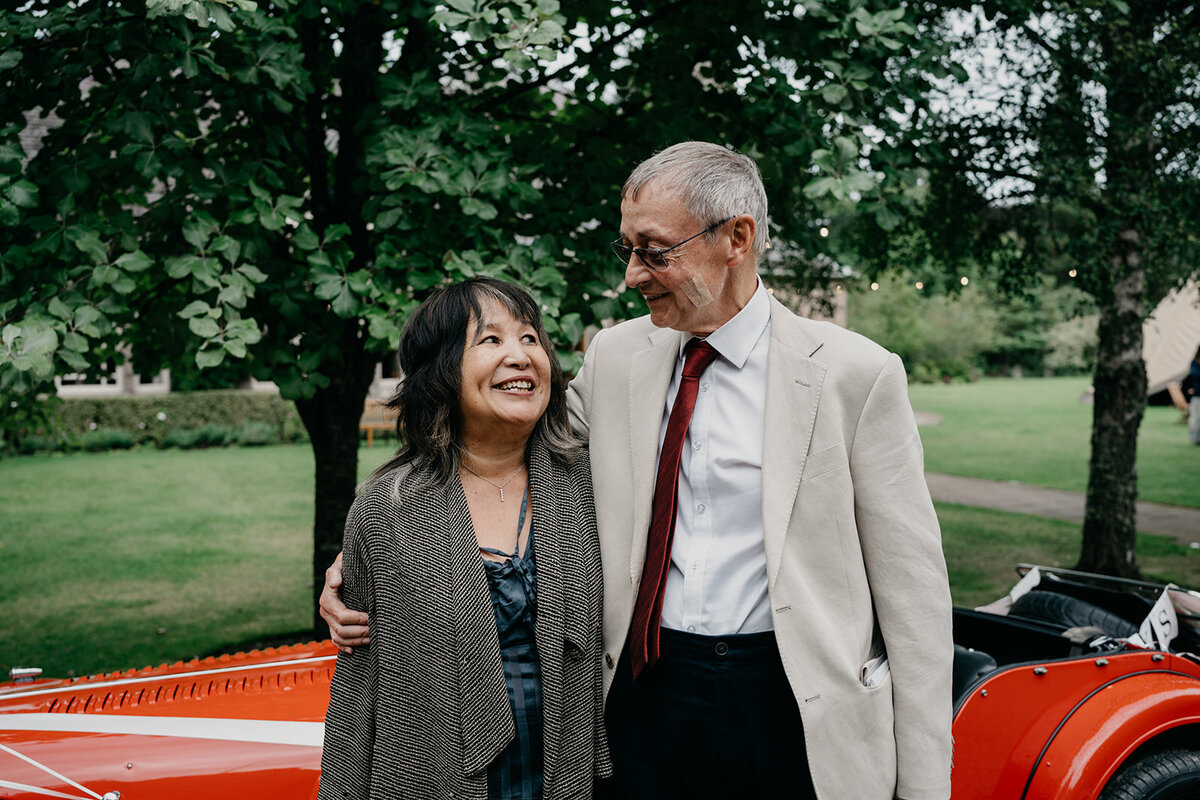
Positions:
(185, 420)
(103, 439)
(181, 419)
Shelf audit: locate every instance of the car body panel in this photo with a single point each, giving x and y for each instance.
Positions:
(1110, 726)
(1042, 712)
(1060, 729)
(250, 725)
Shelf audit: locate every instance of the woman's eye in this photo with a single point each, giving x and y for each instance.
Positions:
(529, 338)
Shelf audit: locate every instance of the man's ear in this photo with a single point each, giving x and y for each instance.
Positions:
(741, 240)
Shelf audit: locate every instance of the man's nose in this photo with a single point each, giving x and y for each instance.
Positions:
(636, 272)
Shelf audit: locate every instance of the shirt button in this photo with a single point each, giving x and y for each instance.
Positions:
(608, 660)
(704, 386)
(700, 508)
(691, 628)
(695, 566)
(697, 445)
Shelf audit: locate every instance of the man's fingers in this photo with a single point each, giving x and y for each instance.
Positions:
(338, 616)
(351, 622)
(347, 628)
(335, 611)
(333, 575)
(349, 636)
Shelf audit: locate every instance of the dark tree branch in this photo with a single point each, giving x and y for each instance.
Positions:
(313, 42)
(1041, 41)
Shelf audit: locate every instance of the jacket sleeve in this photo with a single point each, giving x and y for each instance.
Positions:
(579, 392)
(350, 720)
(902, 549)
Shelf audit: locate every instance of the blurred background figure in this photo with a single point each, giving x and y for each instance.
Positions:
(1191, 391)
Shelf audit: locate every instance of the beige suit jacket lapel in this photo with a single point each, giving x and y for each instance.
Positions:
(794, 381)
(650, 372)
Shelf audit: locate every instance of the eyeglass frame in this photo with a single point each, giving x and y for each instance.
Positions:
(624, 251)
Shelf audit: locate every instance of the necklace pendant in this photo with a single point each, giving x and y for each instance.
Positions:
(501, 495)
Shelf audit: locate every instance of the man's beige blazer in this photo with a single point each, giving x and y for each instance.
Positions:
(854, 559)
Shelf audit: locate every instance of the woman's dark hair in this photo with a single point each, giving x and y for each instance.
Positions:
(428, 424)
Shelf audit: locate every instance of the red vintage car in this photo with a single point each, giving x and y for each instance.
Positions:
(1073, 687)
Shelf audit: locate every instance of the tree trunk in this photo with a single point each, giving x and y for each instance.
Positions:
(331, 417)
(340, 195)
(1110, 519)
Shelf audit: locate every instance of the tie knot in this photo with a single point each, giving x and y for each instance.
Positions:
(697, 355)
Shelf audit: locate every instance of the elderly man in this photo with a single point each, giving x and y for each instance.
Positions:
(776, 607)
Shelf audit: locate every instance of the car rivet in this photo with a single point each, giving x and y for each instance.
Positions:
(1101, 662)
(1157, 657)
(1040, 670)
(983, 692)
(129, 766)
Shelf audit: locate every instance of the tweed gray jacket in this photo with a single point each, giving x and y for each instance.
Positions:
(423, 710)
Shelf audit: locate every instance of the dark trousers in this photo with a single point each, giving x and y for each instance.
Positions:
(714, 718)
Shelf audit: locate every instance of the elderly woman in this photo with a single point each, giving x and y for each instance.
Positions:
(474, 550)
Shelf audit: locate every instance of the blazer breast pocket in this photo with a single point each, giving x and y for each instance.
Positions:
(824, 461)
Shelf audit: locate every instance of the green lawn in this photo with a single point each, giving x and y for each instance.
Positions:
(1037, 431)
(121, 559)
(117, 560)
(983, 547)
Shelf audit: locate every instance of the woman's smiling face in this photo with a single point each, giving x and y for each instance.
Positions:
(505, 375)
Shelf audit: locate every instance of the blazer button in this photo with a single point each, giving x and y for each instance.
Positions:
(608, 660)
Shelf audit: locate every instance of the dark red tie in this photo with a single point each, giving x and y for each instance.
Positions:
(647, 614)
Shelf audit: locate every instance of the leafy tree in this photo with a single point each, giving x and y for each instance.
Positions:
(282, 183)
(940, 336)
(1074, 152)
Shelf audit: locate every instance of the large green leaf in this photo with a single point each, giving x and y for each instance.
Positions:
(23, 194)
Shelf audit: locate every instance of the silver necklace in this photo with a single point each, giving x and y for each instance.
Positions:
(499, 486)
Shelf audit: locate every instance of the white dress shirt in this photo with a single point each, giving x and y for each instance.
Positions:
(717, 584)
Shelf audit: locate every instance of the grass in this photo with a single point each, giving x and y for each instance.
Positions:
(1037, 431)
(983, 547)
(123, 559)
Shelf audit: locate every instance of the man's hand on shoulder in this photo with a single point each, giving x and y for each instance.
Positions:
(347, 628)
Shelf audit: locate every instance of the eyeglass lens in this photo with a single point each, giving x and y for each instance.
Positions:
(653, 259)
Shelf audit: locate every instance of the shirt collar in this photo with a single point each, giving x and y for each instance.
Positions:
(736, 338)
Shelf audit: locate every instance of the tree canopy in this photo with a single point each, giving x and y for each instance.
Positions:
(1074, 153)
(283, 182)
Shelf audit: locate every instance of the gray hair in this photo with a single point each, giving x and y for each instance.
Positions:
(713, 182)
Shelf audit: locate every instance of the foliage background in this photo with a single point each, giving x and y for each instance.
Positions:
(975, 329)
(283, 182)
(279, 184)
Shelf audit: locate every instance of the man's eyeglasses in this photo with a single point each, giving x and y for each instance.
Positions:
(653, 258)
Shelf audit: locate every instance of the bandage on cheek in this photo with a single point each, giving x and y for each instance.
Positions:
(696, 291)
